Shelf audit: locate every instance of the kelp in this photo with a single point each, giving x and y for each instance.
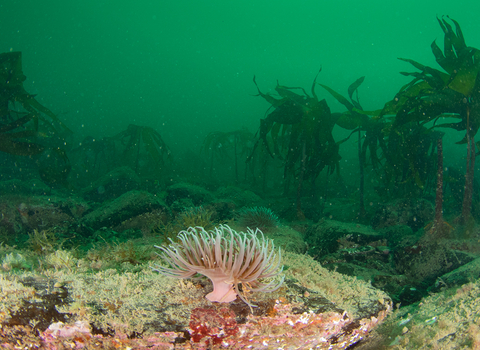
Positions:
(358, 121)
(411, 159)
(300, 128)
(11, 142)
(139, 141)
(21, 133)
(433, 93)
(222, 144)
(95, 157)
(54, 167)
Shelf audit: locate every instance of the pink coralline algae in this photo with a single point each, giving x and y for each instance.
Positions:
(212, 325)
(281, 326)
(281, 330)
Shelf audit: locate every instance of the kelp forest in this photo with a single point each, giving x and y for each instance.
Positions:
(407, 221)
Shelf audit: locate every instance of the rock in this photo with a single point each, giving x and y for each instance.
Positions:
(112, 185)
(284, 237)
(223, 209)
(22, 214)
(341, 209)
(444, 320)
(314, 309)
(362, 273)
(288, 239)
(240, 196)
(425, 263)
(30, 187)
(464, 274)
(128, 205)
(184, 191)
(415, 213)
(396, 234)
(391, 284)
(326, 236)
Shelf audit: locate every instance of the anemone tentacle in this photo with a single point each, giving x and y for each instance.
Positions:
(227, 258)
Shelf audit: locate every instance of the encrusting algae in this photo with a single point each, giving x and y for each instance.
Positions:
(139, 307)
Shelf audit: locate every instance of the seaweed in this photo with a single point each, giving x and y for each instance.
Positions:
(34, 130)
(141, 141)
(221, 144)
(435, 94)
(21, 130)
(451, 93)
(300, 127)
(357, 120)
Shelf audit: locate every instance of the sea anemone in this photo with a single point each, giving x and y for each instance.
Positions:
(258, 217)
(228, 258)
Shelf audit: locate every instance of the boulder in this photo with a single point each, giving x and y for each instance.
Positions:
(112, 185)
(128, 205)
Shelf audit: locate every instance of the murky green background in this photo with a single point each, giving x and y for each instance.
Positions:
(186, 67)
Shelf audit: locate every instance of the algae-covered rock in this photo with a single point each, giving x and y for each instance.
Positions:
(184, 191)
(315, 308)
(415, 213)
(288, 239)
(284, 237)
(112, 185)
(24, 213)
(461, 275)
(446, 320)
(128, 205)
(325, 237)
(240, 196)
(424, 263)
(21, 187)
(397, 233)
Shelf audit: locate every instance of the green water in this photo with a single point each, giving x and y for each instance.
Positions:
(186, 67)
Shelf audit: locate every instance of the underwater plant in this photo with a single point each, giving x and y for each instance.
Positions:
(14, 261)
(258, 217)
(20, 131)
(94, 157)
(33, 131)
(221, 145)
(195, 216)
(61, 259)
(228, 258)
(141, 141)
(44, 241)
(439, 227)
(358, 120)
(190, 217)
(300, 127)
(451, 93)
(410, 160)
